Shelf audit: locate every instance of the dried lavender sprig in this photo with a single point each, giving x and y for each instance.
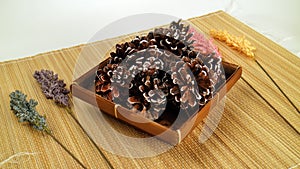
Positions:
(52, 87)
(26, 112)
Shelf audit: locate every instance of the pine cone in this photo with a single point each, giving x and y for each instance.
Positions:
(177, 31)
(148, 91)
(151, 41)
(175, 39)
(154, 74)
(25, 111)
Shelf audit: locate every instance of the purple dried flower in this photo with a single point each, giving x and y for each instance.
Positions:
(52, 87)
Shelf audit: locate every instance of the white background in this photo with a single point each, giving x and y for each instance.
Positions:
(35, 26)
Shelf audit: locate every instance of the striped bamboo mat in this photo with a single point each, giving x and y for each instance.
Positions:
(250, 133)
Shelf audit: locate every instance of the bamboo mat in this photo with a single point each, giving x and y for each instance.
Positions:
(250, 133)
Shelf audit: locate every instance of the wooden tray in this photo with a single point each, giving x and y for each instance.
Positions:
(84, 89)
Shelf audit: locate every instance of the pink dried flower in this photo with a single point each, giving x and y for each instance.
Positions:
(202, 44)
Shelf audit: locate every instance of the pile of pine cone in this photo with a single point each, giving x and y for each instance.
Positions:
(160, 74)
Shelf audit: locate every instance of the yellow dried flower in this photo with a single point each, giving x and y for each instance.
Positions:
(240, 44)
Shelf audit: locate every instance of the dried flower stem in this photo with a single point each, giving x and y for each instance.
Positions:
(69, 110)
(277, 86)
(270, 105)
(69, 152)
(54, 88)
(26, 112)
(243, 45)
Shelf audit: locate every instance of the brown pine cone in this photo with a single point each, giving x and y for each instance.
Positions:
(174, 39)
(102, 80)
(148, 84)
(177, 31)
(160, 73)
